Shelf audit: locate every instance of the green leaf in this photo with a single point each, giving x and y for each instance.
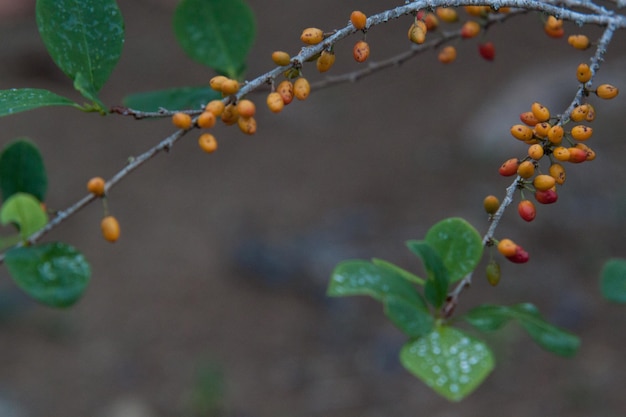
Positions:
(22, 170)
(449, 361)
(216, 33)
(458, 243)
(413, 320)
(25, 211)
(55, 274)
(613, 280)
(436, 288)
(18, 100)
(402, 272)
(173, 99)
(551, 338)
(84, 38)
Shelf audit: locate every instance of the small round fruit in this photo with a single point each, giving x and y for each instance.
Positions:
(528, 118)
(583, 73)
(301, 88)
(247, 125)
(325, 61)
(285, 90)
(493, 272)
(507, 247)
(447, 54)
(246, 108)
(487, 50)
(230, 115)
(540, 111)
(181, 120)
(579, 41)
(207, 143)
(509, 167)
(527, 210)
(96, 186)
(560, 153)
(216, 107)
(543, 182)
(275, 102)
(591, 154)
(447, 14)
(541, 129)
(522, 132)
(230, 87)
(577, 155)
(554, 27)
(520, 256)
(591, 114)
(358, 20)
(312, 36)
(361, 51)
(470, 29)
(430, 19)
(581, 132)
(417, 32)
(535, 151)
(478, 11)
(491, 204)
(281, 58)
(555, 134)
(607, 91)
(579, 113)
(557, 172)
(526, 169)
(216, 82)
(206, 120)
(110, 228)
(546, 197)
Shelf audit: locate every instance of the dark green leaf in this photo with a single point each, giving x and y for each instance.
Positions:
(22, 99)
(173, 99)
(613, 280)
(25, 211)
(84, 38)
(549, 337)
(459, 245)
(402, 272)
(216, 33)
(54, 274)
(452, 363)
(22, 170)
(436, 288)
(413, 320)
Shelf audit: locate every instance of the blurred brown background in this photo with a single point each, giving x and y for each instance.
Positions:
(219, 277)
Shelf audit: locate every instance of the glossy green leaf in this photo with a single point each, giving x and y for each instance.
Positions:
(216, 33)
(18, 100)
(409, 276)
(613, 280)
(436, 288)
(84, 38)
(413, 320)
(449, 361)
(458, 243)
(184, 98)
(551, 338)
(25, 211)
(54, 274)
(22, 170)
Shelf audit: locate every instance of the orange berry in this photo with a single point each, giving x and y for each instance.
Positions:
(583, 73)
(96, 186)
(561, 153)
(247, 125)
(447, 14)
(246, 108)
(558, 173)
(358, 20)
(541, 129)
(206, 120)
(216, 107)
(527, 210)
(470, 29)
(312, 36)
(526, 169)
(535, 151)
(581, 132)
(554, 27)
(430, 19)
(543, 182)
(301, 88)
(579, 113)
(207, 143)
(540, 112)
(478, 11)
(110, 228)
(591, 114)
(491, 204)
(577, 155)
(281, 58)
(417, 32)
(181, 120)
(447, 54)
(216, 82)
(229, 87)
(509, 167)
(591, 154)
(507, 247)
(275, 102)
(230, 115)
(578, 41)
(522, 132)
(555, 134)
(325, 61)
(285, 90)
(528, 118)
(607, 91)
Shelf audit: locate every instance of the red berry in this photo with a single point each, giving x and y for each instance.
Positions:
(526, 210)
(546, 197)
(509, 167)
(520, 256)
(487, 50)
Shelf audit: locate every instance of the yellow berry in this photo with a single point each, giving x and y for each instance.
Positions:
(541, 129)
(301, 88)
(526, 169)
(361, 51)
(581, 132)
(507, 247)
(528, 118)
(535, 152)
(477, 11)
(285, 89)
(579, 113)
(206, 120)
(216, 107)
(578, 41)
(554, 27)
(447, 54)
(470, 29)
(491, 204)
(216, 82)
(275, 102)
(110, 228)
(325, 61)
(230, 87)
(540, 112)
(561, 153)
(522, 132)
(558, 173)
(417, 32)
(583, 73)
(207, 143)
(312, 36)
(358, 20)
(591, 114)
(247, 125)
(181, 120)
(555, 134)
(230, 115)
(543, 182)
(281, 58)
(607, 91)
(96, 186)
(246, 108)
(447, 14)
